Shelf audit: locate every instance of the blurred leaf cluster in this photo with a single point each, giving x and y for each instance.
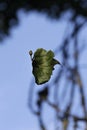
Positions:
(52, 8)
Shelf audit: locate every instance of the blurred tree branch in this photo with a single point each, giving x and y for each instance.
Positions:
(70, 73)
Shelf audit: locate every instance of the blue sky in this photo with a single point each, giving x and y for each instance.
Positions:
(34, 31)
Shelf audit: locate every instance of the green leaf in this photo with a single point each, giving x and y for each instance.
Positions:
(43, 64)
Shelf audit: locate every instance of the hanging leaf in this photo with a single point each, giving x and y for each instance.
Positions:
(43, 64)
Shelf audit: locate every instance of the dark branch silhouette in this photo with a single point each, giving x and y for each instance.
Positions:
(70, 74)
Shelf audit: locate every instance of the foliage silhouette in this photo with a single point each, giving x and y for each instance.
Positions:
(52, 8)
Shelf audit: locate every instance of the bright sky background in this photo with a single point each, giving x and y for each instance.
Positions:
(34, 31)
